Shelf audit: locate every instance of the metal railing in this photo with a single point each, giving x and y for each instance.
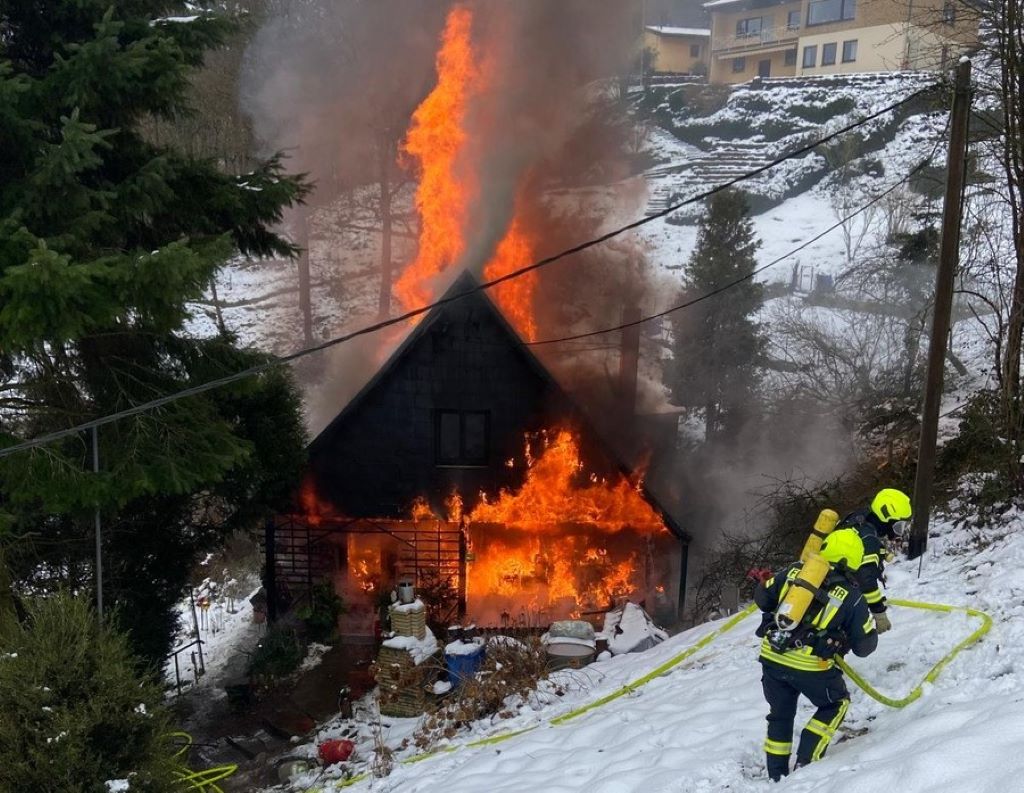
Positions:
(775, 35)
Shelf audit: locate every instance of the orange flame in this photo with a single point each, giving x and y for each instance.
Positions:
(438, 141)
(551, 495)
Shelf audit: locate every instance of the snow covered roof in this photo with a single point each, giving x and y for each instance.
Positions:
(661, 30)
(717, 3)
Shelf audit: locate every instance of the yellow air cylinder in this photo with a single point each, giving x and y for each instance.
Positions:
(827, 520)
(801, 593)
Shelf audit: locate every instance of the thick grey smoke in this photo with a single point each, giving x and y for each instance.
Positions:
(333, 82)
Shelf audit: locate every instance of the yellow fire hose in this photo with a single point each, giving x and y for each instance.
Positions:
(915, 693)
(204, 781)
(935, 671)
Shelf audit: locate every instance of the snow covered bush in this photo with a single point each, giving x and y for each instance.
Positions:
(76, 710)
(512, 670)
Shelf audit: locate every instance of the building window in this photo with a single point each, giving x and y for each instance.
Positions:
(695, 50)
(850, 51)
(745, 28)
(462, 437)
(810, 56)
(828, 54)
(793, 20)
(791, 57)
(821, 12)
(949, 13)
(739, 65)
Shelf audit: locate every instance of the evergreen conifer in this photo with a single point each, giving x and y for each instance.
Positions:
(717, 343)
(105, 238)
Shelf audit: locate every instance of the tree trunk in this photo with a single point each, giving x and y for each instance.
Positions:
(305, 292)
(385, 149)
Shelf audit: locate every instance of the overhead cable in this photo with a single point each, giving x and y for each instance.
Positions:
(258, 369)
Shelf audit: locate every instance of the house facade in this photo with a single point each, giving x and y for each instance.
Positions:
(795, 38)
(677, 50)
(463, 408)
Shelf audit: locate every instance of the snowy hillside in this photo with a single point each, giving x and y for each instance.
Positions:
(700, 726)
(696, 148)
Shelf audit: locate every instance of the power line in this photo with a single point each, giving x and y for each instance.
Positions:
(257, 369)
(741, 279)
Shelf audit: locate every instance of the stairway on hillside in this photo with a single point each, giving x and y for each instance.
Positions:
(670, 183)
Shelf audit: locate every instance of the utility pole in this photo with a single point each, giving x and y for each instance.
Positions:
(949, 257)
(98, 524)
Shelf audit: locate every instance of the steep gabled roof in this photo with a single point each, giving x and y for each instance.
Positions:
(467, 288)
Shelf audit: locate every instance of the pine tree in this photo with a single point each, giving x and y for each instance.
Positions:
(77, 713)
(717, 343)
(104, 240)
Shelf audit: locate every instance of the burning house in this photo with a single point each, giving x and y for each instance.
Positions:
(463, 463)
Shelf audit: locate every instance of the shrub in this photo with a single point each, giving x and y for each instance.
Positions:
(277, 655)
(76, 711)
(511, 670)
(320, 617)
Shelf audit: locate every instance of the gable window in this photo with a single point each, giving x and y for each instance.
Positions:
(695, 50)
(739, 65)
(793, 20)
(791, 57)
(810, 56)
(462, 437)
(850, 51)
(828, 54)
(821, 12)
(746, 28)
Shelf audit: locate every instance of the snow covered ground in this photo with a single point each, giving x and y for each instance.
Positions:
(700, 726)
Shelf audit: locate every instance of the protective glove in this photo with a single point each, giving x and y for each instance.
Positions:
(882, 623)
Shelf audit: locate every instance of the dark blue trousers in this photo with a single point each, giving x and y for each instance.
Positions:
(782, 688)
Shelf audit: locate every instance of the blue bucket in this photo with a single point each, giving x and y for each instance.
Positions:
(463, 667)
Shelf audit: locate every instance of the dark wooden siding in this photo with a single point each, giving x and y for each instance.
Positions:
(380, 454)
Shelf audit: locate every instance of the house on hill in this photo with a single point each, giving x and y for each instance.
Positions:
(796, 38)
(677, 50)
(464, 465)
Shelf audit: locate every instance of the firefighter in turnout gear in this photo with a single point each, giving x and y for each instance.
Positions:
(883, 520)
(798, 656)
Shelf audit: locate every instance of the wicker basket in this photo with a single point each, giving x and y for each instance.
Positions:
(403, 685)
(409, 623)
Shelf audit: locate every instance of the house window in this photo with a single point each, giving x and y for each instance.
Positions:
(850, 51)
(739, 65)
(746, 28)
(793, 20)
(828, 54)
(949, 13)
(821, 12)
(462, 437)
(791, 57)
(810, 56)
(695, 50)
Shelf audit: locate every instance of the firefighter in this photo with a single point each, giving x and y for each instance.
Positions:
(884, 520)
(802, 660)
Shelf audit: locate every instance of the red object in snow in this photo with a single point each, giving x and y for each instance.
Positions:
(335, 751)
(759, 574)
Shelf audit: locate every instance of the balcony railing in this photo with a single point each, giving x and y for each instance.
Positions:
(752, 41)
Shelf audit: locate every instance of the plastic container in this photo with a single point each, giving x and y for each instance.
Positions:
(464, 665)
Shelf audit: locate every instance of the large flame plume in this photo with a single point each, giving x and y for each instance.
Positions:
(438, 142)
